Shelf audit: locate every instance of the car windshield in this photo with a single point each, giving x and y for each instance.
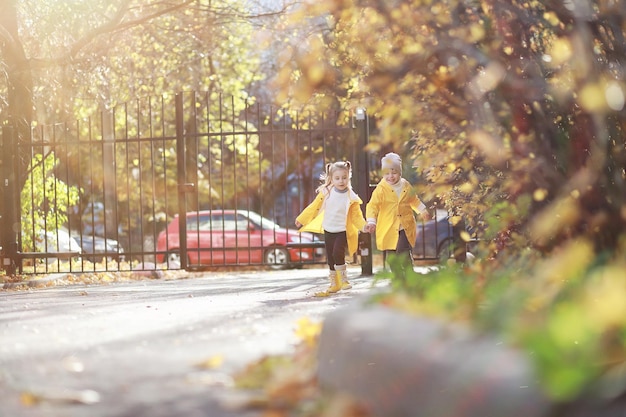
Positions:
(261, 221)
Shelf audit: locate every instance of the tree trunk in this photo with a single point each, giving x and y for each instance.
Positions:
(18, 116)
(18, 79)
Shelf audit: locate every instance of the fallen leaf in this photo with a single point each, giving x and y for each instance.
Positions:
(69, 396)
(213, 362)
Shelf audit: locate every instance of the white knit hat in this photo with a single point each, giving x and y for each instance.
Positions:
(392, 160)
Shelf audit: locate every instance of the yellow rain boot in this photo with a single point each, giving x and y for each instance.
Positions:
(335, 284)
(343, 277)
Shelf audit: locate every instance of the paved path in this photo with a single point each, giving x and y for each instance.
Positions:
(131, 349)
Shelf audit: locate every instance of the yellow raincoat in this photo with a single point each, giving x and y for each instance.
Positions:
(389, 212)
(312, 216)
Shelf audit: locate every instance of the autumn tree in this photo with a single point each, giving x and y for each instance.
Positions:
(77, 67)
(514, 110)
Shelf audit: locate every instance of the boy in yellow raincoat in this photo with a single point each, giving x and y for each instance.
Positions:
(390, 211)
(335, 212)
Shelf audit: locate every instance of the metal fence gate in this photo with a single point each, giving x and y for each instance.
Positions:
(185, 181)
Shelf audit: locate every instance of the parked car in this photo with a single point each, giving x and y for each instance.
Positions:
(97, 221)
(57, 241)
(222, 237)
(97, 248)
(434, 237)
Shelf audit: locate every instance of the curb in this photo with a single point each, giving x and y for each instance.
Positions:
(398, 365)
(35, 282)
(144, 272)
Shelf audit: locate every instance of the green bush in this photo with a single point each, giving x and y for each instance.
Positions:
(566, 311)
(45, 200)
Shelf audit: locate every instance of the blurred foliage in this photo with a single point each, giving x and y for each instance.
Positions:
(567, 311)
(45, 201)
(513, 112)
(286, 385)
(95, 55)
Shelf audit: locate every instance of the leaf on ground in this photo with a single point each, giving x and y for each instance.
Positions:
(68, 396)
(308, 331)
(256, 374)
(213, 362)
(286, 385)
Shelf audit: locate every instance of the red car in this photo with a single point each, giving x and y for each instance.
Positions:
(238, 237)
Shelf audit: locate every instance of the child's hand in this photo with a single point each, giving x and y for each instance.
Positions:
(298, 224)
(370, 228)
(426, 216)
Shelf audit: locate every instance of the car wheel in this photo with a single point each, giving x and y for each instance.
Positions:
(172, 259)
(277, 257)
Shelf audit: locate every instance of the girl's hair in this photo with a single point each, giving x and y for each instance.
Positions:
(327, 176)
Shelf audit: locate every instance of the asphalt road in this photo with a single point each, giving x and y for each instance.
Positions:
(132, 349)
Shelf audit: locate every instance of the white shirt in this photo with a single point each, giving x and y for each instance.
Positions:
(336, 211)
(397, 187)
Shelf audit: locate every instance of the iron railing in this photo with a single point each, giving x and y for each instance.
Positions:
(110, 185)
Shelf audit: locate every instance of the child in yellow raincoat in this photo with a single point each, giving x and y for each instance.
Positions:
(336, 212)
(390, 211)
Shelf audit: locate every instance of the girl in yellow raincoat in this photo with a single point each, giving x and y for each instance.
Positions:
(336, 212)
(390, 210)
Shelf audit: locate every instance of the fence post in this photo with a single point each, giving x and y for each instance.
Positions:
(363, 185)
(109, 170)
(182, 180)
(9, 223)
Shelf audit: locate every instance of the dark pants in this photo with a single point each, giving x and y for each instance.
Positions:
(336, 244)
(403, 248)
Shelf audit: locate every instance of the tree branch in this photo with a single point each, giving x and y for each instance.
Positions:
(114, 25)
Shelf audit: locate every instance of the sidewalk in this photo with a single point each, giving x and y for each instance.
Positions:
(399, 365)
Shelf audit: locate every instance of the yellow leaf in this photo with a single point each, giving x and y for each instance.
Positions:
(560, 52)
(467, 188)
(552, 18)
(308, 331)
(606, 296)
(540, 194)
(477, 33)
(28, 399)
(592, 98)
(454, 220)
(451, 167)
(213, 362)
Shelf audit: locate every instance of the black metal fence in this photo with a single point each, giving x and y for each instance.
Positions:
(109, 186)
(185, 181)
